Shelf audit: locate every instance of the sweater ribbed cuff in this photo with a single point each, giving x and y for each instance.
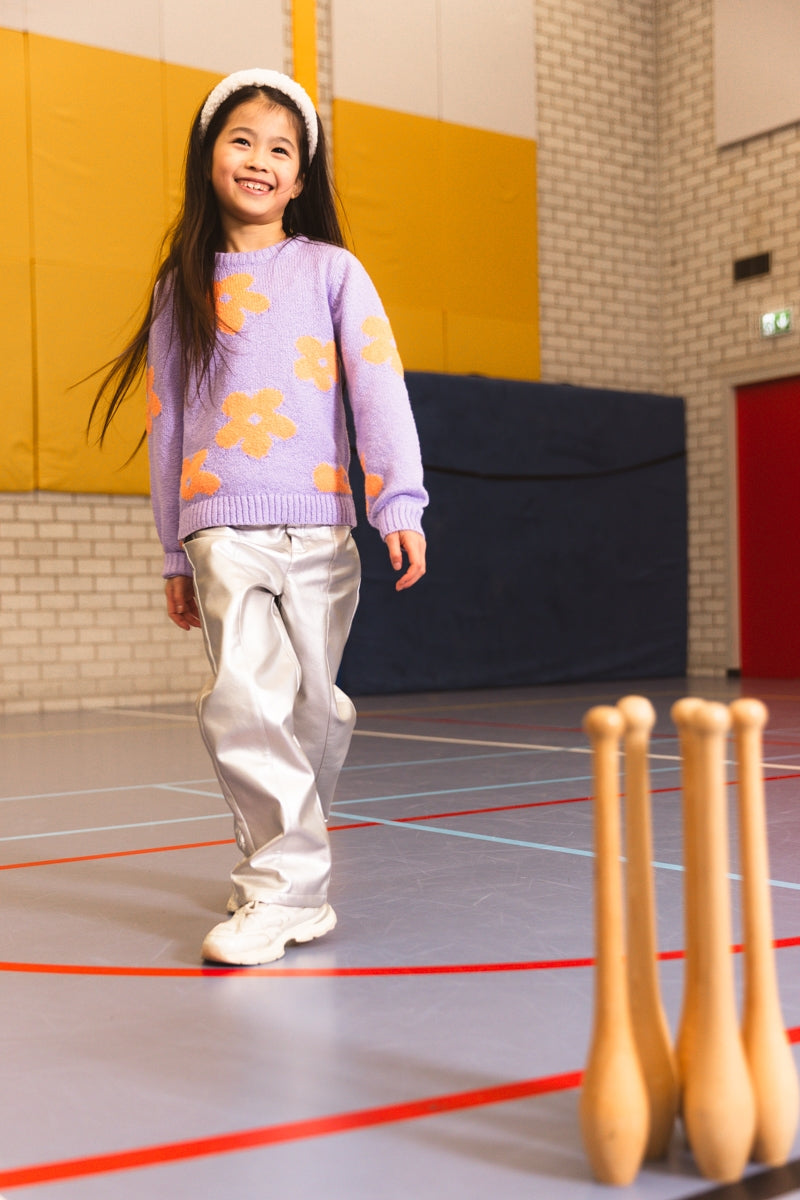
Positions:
(176, 564)
(399, 516)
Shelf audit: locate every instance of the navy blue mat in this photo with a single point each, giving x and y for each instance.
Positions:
(556, 541)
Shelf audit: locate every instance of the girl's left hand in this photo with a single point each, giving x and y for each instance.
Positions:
(181, 602)
(413, 544)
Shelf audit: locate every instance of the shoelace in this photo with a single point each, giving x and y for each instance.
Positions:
(275, 914)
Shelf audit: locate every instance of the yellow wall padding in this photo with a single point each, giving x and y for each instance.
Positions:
(183, 90)
(442, 215)
(97, 133)
(111, 128)
(444, 218)
(16, 328)
(99, 160)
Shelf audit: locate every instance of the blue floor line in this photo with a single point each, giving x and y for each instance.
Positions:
(485, 837)
(178, 785)
(485, 787)
(429, 762)
(29, 837)
(478, 837)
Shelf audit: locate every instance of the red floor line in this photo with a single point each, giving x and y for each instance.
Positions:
(30, 968)
(473, 812)
(76, 858)
(554, 964)
(272, 1135)
(463, 812)
(729, 783)
(292, 1131)
(466, 812)
(546, 964)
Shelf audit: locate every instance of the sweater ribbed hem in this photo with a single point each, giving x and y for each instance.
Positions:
(298, 509)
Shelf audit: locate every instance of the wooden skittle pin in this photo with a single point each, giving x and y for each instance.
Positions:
(649, 1022)
(614, 1111)
(718, 1102)
(682, 712)
(769, 1056)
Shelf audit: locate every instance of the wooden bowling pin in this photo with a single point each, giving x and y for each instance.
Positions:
(682, 712)
(614, 1112)
(718, 1102)
(650, 1028)
(769, 1056)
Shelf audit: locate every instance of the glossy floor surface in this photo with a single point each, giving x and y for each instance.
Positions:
(430, 1046)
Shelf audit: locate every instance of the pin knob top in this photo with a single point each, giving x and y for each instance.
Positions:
(748, 714)
(604, 721)
(638, 712)
(711, 717)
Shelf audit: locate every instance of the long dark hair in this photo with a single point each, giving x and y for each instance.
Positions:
(186, 271)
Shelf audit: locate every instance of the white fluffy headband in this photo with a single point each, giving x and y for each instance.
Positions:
(259, 77)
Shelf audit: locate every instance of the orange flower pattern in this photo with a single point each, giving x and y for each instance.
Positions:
(382, 348)
(232, 301)
(195, 481)
(328, 478)
(317, 363)
(373, 484)
(254, 422)
(153, 403)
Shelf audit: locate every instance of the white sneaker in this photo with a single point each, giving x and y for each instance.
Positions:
(259, 932)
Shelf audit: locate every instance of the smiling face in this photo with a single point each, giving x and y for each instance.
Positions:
(255, 172)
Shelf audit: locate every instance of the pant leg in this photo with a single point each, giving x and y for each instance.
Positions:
(249, 710)
(319, 600)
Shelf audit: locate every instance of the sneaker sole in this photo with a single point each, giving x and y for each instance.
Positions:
(215, 950)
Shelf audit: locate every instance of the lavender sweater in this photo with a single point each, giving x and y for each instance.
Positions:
(264, 440)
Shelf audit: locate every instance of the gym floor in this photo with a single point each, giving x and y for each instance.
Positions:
(430, 1046)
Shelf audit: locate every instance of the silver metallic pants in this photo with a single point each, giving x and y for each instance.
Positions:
(276, 606)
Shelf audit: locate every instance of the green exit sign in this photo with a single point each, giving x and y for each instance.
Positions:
(775, 323)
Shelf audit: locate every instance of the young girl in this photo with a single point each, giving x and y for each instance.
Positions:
(256, 309)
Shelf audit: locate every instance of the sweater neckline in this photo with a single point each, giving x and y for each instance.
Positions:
(229, 257)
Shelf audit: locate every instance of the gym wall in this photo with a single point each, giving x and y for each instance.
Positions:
(640, 215)
(97, 106)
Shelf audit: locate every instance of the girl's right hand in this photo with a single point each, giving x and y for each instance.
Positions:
(181, 602)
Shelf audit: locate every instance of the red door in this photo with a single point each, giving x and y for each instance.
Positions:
(768, 431)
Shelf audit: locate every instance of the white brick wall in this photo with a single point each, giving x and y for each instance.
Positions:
(640, 219)
(716, 206)
(82, 615)
(598, 192)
